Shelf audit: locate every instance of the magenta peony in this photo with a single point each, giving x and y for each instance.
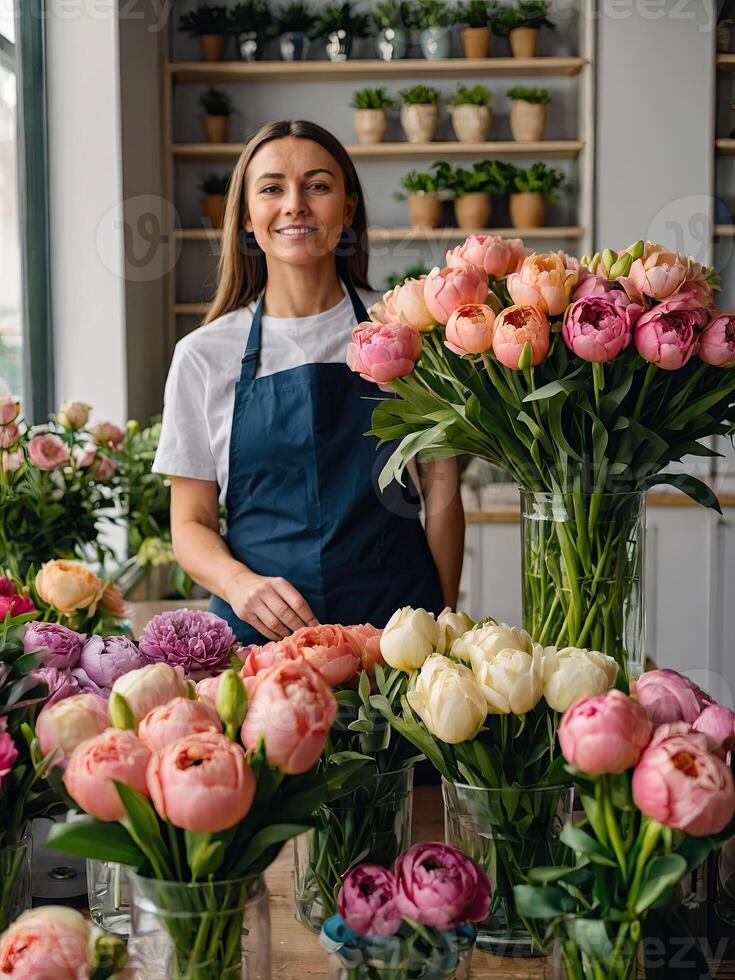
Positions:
(598, 328)
(195, 640)
(367, 901)
(8, 751)
(669, 334)
(438, 885)
(717, 345)
(718, 724)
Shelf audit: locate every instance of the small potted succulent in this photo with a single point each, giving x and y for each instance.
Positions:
(339, 25)
(479, 17)
(528, 113)
(471, 113)
(473, 190)
(296, 26)
(391, 40)
(251, 23)
(217, 108)
(425, 193)
(211, 25)
(436, 19)
(530, 190)
(370, 119)
(419, 113)
(214, 188)
(522, 26)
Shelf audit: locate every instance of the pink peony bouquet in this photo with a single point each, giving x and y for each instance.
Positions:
(420, 914)
(658, 793)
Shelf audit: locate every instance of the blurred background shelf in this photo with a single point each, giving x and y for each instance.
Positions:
(559, 149)
(430, 234)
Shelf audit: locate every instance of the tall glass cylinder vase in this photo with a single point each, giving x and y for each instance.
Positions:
(108, 895)
(583, 567)
(371, 825)
(15, 880)
(206, 931)
(508, 832)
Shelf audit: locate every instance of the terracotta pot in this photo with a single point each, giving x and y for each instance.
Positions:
(214, 209)
(471, 122)
(527, 210)
(424, 210)
(370, 125)
(419, 122)
(527, 120)
(523, 41)
(212, 46)
(216, 128)
(476, 41)
(473, 211)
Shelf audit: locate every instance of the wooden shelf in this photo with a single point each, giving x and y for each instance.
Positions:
(430, 234)
(726, 62)
(190, 309)
(725, 146)
(559, 149)
(724, 231)
(219, 72)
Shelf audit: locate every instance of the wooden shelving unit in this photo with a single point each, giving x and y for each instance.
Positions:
(429, 234)
(726, 146)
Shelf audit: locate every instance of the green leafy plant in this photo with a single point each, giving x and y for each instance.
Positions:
(372, 98)
(537, 179)
(216, 102)
(477, 95)
(212, 184)
(251, 15)
(412, 272)
(419, 95)
(387, 13)
(435, 13)
(478, 13)
(296, 17)
(341, 17)
(485, 177)
(411, 15)
(529, 13)
(538, 96)
(205, 19)
(417, 182)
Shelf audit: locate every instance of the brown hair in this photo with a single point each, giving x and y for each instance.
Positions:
(242, 270)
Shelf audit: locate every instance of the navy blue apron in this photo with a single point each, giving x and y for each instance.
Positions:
(303, 500)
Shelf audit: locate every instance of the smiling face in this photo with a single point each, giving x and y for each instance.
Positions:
(297, 204)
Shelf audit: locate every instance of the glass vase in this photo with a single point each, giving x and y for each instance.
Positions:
(596, 949)
(583, 569)
(108, 895)
(508, 832)
(15, 879)
(206, 931)
(371, 825)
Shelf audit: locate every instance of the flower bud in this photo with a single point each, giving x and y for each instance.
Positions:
(232, 702)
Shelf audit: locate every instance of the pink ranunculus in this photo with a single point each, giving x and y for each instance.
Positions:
(515, 326)
(328, 650)
(446, 289)
(15, 605)
(64, 725)
(495, 255)
(46, 943)
(717, 344)
(115, 754)
(683, 785)
(9, 408)
(9, 435)
(598, 328)
(201, 783)
(718, 723)
(48, 452)
(293, 708)
(54, 645)
(169, 722)
(470, 329)
(61, 684)
(367, 901)
(365, 639)
(658, 273)
(668, 335)
(382, 352)
(8, 751)
(109, 435)
(544, 281)
(410, 304)
(604, 734)
(438, 885)
(669, 696)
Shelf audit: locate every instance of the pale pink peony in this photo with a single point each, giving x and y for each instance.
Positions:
(47, 943)
(176, 719)
(9, 409)
(146, 687)
(438, 885)
(9, 435)
(365, 639)
(658, 273)
(115, 754)
(446, 289)
(669, 696)
(48, 452)
(64, 725)
(201, 783)
(382, 352)
(470, 329)
(516, 326)
(410, 304)
(367, 901)
(544, 281)
(328, 650)
(604, 734)
(717, 344)
(207, 690)
(495, 255)
(598, 328)
(669, 334)
(718, 723)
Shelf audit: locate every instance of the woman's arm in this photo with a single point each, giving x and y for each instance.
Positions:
(444, 522)
(272, 605)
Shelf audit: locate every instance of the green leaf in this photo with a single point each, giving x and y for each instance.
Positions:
(142, 824)
(563, 385)
(546, 902)
(203, 854)
(270, 837)
(97, 840)
(663, 873)
(582, 843)
(689, 485)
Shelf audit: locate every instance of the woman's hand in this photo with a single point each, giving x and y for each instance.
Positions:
(271, 605)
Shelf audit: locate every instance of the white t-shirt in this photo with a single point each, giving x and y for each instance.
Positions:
(200, 388)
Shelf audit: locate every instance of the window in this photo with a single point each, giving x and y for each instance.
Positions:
(11, 326)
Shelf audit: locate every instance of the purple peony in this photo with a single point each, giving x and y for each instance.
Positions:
(61, 684)
(104, 659)
(194, 640)
(56, 645)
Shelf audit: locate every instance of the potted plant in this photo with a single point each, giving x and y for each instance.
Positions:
(412, 21)
(391, 40)
(369, 119)
(479, 17)
(339, 25)
(723, 35)
(251, 23)
(419, 113)
(210, 24)
(472, 191)
(217, 108)
(522, 26)
(471, 113)
(436, 19)
(425, 193)
(214, 187)
(295, 24)
(530, 190)
(528, 113)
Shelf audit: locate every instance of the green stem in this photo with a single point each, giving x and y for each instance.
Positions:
(650, 374)
(651, 834)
